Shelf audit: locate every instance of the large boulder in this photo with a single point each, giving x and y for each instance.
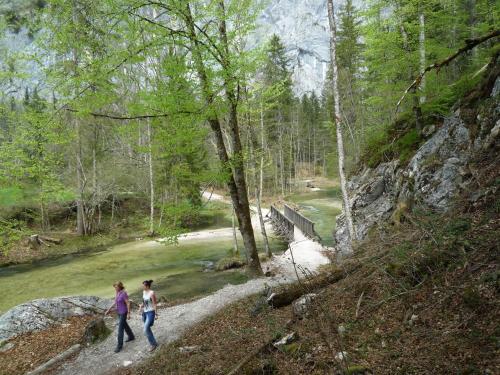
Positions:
(41, 313)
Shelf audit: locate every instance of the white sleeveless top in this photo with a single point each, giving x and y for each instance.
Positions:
(147, 300)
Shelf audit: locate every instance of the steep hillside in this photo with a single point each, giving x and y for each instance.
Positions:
(437, 169)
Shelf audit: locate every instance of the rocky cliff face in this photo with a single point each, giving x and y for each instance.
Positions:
(439, 171)
(302, 26)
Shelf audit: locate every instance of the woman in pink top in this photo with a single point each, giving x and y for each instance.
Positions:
(122, 304)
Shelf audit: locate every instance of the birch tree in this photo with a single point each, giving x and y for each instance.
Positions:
(338, 124)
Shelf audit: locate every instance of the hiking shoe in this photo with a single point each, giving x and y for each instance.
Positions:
(118, 350)
(153, 348)
(130, 339)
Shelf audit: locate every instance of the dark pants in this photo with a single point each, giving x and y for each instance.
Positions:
(123, 326)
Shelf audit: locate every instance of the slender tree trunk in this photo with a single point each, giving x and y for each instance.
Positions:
(324, 159)
(80, 208)
(151, 182)
(291, 166)
(338, 123)
(112, 210)
(281, 162)
(93, 226)
(423, 64)
(263, 147)
(258, 192)
(416, 102)
(235, 237)
(80, 203)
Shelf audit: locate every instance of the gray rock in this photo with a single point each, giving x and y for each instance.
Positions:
(95, 331)
(428, 130)
(496, 88)
(41, 313)
(189, 349)
(373, 196)
(291, 337)
(301, 306)
(341, 356)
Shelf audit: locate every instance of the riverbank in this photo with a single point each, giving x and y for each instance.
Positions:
(175, 320)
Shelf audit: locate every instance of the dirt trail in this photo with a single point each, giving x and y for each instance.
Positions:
(174, 321)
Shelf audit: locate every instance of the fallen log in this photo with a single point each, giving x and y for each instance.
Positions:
(52, 362)
(289, 294)
(248, 358)
(35, 240)
(57, 241)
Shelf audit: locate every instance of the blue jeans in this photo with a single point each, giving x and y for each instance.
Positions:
(149, 319)
(123, 326)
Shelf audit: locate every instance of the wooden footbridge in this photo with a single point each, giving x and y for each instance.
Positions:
(285, 222)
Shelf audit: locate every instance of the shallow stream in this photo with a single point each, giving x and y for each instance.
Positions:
(179, 271)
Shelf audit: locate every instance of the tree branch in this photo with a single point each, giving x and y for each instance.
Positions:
(137, 117)
(469, 44)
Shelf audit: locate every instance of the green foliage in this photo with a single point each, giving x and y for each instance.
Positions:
(10, 196)
(11, 232)
(397, 141)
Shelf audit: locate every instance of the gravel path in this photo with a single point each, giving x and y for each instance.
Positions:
(174, 321)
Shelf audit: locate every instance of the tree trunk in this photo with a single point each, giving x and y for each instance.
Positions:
(80, 208)
(338, 123)
(235, 237)
(151, 182)
(262, 142)
(417, 111)
(258, 192)
(236, 179)
(421, 41)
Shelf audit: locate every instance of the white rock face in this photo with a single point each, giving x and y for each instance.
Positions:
(302, 25)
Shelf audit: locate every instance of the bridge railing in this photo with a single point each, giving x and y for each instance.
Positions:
(302, 222)
(282, 224)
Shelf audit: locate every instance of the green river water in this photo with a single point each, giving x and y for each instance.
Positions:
(178, 270)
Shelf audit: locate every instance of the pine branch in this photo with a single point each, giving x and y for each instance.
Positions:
(469, 44)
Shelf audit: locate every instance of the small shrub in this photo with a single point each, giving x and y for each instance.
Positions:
(458, 226)
(229, 263)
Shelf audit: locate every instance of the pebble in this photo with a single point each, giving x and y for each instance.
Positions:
(341, 356)
(341, 330)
